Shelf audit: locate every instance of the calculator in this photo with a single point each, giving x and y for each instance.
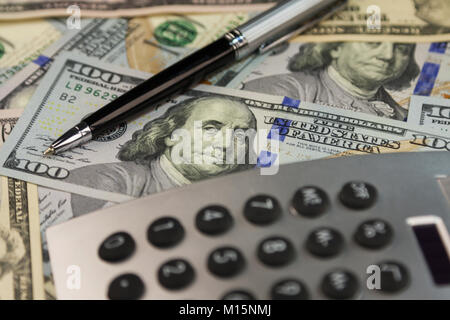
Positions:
(359, 227)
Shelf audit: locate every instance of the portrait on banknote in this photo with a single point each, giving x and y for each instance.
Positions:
(434, 12)
(12, 250)
(136, 159)
(146, 162)
(348, 75)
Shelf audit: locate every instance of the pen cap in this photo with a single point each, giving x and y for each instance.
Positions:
(278, 21)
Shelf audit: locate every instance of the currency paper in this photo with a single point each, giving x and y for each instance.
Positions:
(21, 276)
(431, 112)
(377, 78)
(385, 20)
(20, 9)
(21, 43)
(134, 159)
(381, 20)
(54, 207)
(20, 242)
(147, 43)
(158, 41)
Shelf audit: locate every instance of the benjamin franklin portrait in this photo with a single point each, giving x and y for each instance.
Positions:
(145, 163)
(348, 75)
(435, 12)
(12, 250)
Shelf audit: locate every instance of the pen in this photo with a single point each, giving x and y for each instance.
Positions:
(262, 33)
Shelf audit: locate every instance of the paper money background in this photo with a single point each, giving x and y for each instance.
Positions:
(91, 8)
(75, 87)
(34, 76)
(294, 71)
(400, 20)
(431, 112)
(21, 275)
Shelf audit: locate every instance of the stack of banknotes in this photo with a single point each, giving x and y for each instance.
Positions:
(359, 83)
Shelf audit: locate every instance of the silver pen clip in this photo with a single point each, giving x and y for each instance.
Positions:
(325, 14)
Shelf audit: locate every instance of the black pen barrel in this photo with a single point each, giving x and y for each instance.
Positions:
(162, 86)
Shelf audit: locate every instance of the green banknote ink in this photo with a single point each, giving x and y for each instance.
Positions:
(175, 33)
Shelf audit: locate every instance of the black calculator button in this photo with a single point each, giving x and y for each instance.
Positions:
(324, 242)
(373, 234)
(310, 201)
(126, 287)
(339, 284)
(117, 247)
(289, 289)
(238, 295)
(165, 232)
(275, 251)
(262, 209)
(176, 274)
(225, 262)
(394, 276)
(214, 220)
(358, 195)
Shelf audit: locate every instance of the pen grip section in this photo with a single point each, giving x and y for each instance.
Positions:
(173, 80)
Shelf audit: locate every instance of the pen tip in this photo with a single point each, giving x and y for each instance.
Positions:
(50, 151)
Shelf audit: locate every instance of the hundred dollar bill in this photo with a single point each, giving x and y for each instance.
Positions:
(146, 43)
(97, 38)
(20, 9)
(8, 119)
(372, 77)
(381, 20)
(21, 276)
(160, 40)
(140, 157)
(385, 20)
(431, 112)
(21, 43)
(54, 207)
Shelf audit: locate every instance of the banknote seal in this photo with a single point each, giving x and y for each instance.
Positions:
(176, 33)
(113, 133)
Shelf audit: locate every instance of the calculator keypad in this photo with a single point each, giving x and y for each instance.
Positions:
(176, 274)
(117, 247)
(394, 276)
(238, 295)
(373, 234)
(308, 232)
(325, 242)
(274, 251)
(340, 284)
(358, 195)
(226, 262)
(310, 201)
(262, 209)
(214, 220)
(289, 289)
(165, 232)
(126, 287)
